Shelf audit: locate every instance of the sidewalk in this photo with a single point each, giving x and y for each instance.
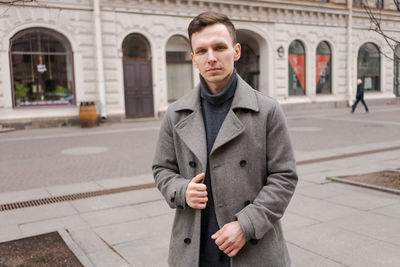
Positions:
(326, 223)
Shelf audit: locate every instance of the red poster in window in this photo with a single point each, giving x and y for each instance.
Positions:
(297, 63)
(322, 61)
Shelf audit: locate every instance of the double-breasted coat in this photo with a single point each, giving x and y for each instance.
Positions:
(252, 169)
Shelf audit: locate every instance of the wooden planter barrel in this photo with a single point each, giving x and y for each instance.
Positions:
(87, 114)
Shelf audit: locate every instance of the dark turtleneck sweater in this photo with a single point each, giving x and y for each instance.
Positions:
(214, 109)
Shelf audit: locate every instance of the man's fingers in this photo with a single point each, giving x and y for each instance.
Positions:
(233, 252)
(197, 194)
(198, 178)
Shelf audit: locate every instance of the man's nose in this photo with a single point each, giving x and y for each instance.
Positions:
(211, 56)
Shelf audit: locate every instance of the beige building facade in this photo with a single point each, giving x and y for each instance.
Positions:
(132, 57)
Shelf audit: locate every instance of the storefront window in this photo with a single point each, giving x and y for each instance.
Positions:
(297, 69)
(324, 69)
(179, 67)
(369, 66)
(41, 68)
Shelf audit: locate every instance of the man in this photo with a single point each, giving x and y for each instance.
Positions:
(224, 161)
(359, 96)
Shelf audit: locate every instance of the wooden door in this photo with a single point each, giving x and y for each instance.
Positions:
(138, 89)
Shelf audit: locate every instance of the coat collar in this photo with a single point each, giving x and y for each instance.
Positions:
(245, 98)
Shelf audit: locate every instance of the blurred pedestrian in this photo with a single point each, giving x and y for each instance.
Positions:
(359, 96)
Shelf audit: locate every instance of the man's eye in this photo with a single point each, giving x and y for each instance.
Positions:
(220, 47)
(201, 51)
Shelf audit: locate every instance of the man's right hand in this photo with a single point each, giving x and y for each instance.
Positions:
(196, 193)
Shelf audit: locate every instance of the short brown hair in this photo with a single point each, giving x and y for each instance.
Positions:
(210, 18)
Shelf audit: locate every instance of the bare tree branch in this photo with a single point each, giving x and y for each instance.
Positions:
(376, 21)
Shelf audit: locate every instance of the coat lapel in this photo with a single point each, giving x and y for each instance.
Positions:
(191, 129)
(232, 126)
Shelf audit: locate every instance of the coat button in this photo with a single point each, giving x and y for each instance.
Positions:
(254, 241)
(243, 163)
(192, 164)
(247, 202)
(187, 240)
(172, 199)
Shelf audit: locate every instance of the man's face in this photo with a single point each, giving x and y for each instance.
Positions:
(214, 55)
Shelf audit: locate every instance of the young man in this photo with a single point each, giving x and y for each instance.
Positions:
(224, 161)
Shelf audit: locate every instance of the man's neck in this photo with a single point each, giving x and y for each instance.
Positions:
(217, 88)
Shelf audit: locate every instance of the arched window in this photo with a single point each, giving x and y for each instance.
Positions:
(179, 67)
(42, 68)
(397, 71)
(297, 69)
(323, 69)
(135, 46)
(369, 66)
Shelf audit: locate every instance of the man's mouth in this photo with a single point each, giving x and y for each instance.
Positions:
(213, 69)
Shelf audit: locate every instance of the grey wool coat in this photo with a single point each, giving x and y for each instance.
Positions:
(252, 168)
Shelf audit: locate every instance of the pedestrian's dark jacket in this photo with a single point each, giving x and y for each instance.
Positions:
(360, 90)
(252, 169)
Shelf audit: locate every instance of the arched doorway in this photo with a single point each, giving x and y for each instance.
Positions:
(179, 67)
(248, 66)
(396, 87)
(137, 76)
(41, 69)
(323, 68)
(297, 68)
(369, 66)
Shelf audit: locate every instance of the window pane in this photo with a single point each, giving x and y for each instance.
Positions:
(136, 46)
(297, 77)
(323, 69)
(369, 66)
(179, 67)
(38, 40)
(42, 80)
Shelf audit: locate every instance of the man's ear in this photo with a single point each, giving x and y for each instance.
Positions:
(192, 57)
(237, 50)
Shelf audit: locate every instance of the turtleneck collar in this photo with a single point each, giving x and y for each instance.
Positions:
(221, 97)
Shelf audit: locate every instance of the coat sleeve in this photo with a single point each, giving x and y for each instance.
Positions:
(165, 167)
(269, 205)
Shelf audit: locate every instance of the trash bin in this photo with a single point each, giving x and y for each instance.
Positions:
(87, 114)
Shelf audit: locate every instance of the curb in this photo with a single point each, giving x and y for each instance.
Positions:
(376, 187)
(76, 250)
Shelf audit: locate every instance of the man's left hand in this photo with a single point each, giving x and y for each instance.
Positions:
(230, 238)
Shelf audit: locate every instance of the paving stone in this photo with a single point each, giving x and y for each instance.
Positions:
(301, 257)
(75, 249)
(126, 181)
(363, 201)
(291, 221)
(24, 195)
(328, 241)
(33, 214)
(154, 208)
(134, 230)
(151, 251)
(117, 200)
(107, 258)
(390, 210)
(9, 232)
(318, 210)
(319, 191)
(375, 254)
(88, 240)
(73, 222)
(112, 216)
(60, 190)
(373, 225)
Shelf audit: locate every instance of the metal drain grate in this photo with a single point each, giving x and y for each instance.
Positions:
(50, 200)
